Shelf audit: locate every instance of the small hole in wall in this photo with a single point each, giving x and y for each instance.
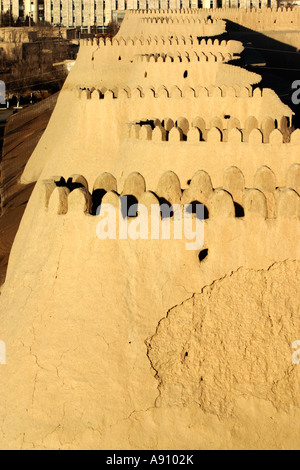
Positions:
(73, 185)
(129, 205)
(186, 354)
(195, 208)
(185, 74)
(239, 211)
(188, 182)
(145, 74)
(97, 197)
(166, 209)
(148, 122)
(203, 254)
(61, 182)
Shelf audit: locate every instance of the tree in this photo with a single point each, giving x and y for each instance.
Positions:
(112, 28)
(7, 19)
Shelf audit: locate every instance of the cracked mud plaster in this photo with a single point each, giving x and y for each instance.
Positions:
(232, 340)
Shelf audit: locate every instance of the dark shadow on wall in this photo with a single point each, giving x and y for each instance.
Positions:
(282, 63)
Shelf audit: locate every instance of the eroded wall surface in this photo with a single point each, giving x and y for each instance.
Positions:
(142, 343)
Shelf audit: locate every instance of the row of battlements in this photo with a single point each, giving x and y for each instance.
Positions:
(256, 18)
(179, 20)
(170, 11)
(266, 19)
(158, 41)
(187, 57)
(174, 92)
(181, 131)
(267, 12)
(265, 199)
(209, 11)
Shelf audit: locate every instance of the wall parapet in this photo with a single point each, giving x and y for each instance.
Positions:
(283, 18)
(163, 91)
(186, 57)
(163, 40)
(218, 129)
(264, 199)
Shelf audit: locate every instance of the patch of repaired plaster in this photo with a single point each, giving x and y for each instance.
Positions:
(232, 340)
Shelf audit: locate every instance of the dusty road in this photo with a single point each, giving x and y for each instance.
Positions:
(21, 135)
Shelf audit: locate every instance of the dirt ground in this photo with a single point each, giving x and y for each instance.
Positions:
(22, 133)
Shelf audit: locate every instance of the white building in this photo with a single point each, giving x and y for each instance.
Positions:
(22, 8)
